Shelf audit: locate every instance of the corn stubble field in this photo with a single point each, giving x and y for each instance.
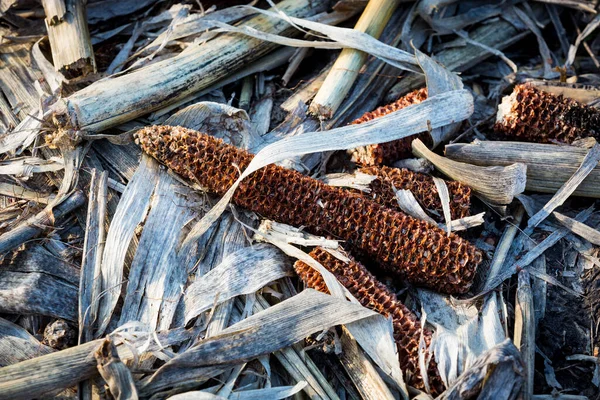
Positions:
(315, 199)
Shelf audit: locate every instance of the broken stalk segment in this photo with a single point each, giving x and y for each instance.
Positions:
(72, 51)
(345, 70)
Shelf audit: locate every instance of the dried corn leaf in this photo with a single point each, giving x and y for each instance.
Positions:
(463, 332)
(158, 271)
(442, 189)
(93, 248)
(428, 8)
(27, 166)
(16, 344)
(588, 233)
(131, 211)
(289, 234)
(341, 38)
(54, 78)
(274, 393)
(492, 50)
(23, 135)
(196, 23)
(591, 27)
(439, 80)
(409, 204)
(498, 373)
(243, 272)
(275, 328)
(467, 222)
(34, 281)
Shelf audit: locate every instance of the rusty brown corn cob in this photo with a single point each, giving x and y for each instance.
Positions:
(530, 114)
(375, 295)
(410, 248)
(421, 186)
(386, 153)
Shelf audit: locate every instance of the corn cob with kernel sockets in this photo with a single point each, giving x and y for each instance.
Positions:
(388, 152)
(421, 186)
(530, 114)
(375, 295)
(409, 248)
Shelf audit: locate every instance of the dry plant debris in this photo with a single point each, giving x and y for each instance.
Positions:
(375, 295)
(422, 187)
(530, 114)
(409, 248)
(388, 152)
(455, 251)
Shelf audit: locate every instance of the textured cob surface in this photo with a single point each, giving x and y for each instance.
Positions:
(375, 295)
(409, 248)
(421, 186)
(530, 114)
(386, 153)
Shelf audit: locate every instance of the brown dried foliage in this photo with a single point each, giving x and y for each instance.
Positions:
(375, 295)
(386, 153)
(538, 116)
(407, 247)
(421, 186)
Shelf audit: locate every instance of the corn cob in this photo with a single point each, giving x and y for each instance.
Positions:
(421, 186)
(407, 247)
(386, 153)
(375, 295)
(530, 114)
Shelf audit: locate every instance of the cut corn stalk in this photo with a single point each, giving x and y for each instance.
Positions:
(530, 114)
(375, 295)
(549, 166)
(409, 248)
(72, 51)
(345, 70)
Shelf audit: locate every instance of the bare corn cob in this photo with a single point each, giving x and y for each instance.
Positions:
(386, 153)
(421, 186)
(410, 248)
(375, 295)
(530, 114)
